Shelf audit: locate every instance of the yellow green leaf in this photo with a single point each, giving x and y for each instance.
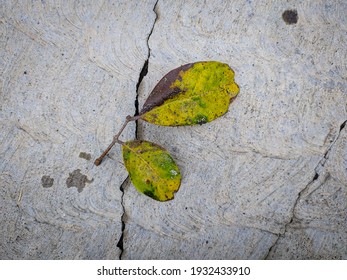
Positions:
(152, 170)
(194, 93)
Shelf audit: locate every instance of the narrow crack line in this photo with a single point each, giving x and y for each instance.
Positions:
(321, 163)
(143, 73)
(315, 177)
(120, 243)
(317, 172)
(325, 157)
(272, 246)
(144, 70)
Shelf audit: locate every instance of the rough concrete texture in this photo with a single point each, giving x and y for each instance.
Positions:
(266, 180)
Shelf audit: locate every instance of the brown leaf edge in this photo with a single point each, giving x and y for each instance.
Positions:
(162, 91)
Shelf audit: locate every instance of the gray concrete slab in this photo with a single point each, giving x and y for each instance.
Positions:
(266, 180)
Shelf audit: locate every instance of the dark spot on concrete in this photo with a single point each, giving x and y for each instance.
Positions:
(25, 72)
(290, 16)
(77, 180)
(47, 181)
(84, 155)
(315, 176)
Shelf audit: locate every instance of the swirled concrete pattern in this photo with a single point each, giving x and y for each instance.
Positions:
(266, 180)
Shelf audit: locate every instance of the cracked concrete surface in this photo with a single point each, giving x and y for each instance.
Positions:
(303, 193)
(143, 73)
(266, 181)
(311, 231)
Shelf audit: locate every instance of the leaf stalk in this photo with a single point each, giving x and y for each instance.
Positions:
(115, 140)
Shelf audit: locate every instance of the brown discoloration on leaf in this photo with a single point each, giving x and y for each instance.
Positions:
(163, 91)
(194, 93)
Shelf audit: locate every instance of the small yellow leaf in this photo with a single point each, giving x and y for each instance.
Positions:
(152, 170)
(194, 93)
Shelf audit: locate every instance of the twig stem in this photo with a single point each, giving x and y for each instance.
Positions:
(116, 139)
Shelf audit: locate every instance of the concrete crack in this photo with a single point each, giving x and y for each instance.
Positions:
(123, 217)
(322, 162)
(318, 171)
(144, 69)
(143, 73)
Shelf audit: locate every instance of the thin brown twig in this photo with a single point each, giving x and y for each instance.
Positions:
(116, 139)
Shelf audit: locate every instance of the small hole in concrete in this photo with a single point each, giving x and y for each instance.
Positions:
(290, 16)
